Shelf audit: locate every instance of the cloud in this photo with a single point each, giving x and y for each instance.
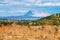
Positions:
(30, 2)
(21, 11)
(12, 12)
(9, 3)
(15, 11)
(48, 4)
(17, 7)
(2, 11)
(43, 14)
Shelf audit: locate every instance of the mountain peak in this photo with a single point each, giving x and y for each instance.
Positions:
(29, 13)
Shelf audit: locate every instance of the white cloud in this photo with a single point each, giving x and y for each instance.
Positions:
(13, 3)
(10, 3)
(1, 4)
(31, 3)
(14, 11)
(22, 10)
(27, 4)
(37, 14)
(47, 4)
(30, 0)
(2, 11)
(51, 4)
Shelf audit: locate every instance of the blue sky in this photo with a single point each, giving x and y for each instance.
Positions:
(20, 7)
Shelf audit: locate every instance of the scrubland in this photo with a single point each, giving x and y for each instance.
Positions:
(21, 32)
(47, 28)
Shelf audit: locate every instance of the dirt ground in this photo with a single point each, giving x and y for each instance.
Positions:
(17, 32)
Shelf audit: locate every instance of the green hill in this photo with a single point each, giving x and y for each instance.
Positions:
(49, 20)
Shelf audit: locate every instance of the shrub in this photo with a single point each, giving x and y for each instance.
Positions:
(10, 23)
(56, 23)
(42, 22)
(34, 24)
(19, 23)
(26, 23)
(4, 23)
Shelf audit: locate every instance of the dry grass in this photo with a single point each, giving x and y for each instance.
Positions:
(17, 32)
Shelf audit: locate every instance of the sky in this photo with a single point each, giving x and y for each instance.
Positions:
(21, 7)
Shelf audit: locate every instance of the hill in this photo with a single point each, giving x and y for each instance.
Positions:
(49, 20)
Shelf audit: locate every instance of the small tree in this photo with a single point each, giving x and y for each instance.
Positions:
(42, 22)
(4, 23)
(19, 23)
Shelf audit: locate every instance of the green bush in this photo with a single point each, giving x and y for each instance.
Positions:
(34, 24)
(56, 23)
(42, 22)
(23, 23)
(26, 23)
(10, 23)
(4, 23)
(19, 23)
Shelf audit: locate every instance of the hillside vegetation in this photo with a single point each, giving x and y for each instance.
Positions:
(49, 20)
